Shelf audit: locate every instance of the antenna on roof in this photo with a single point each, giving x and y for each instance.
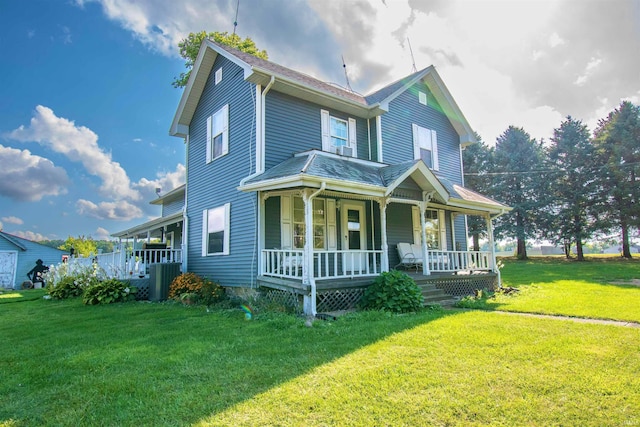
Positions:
(235, 21)
(346, 76)
(413, 60)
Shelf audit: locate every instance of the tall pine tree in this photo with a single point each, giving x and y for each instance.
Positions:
(518, 182)
(571, 156)
(476, 159)
(617, 141)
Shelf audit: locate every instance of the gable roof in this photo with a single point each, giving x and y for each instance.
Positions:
(262, 72)
(318, 169)
(14, 240)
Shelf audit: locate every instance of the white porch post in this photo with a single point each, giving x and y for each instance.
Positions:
(384, 245)
(260, 223)
(307, 265)
(423, 234)
(492, 246)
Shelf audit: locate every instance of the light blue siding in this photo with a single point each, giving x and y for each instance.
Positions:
(172, 207)
(213, 184)
(27, 258)
(293, 126)
(397, 133)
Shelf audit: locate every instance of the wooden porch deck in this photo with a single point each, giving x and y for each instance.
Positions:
(345, 293)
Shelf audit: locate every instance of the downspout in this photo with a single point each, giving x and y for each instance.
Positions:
(260, 145)
(309, 250)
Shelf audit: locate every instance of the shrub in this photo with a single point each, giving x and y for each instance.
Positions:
(203, 290)
(65, 288)
(109, 291)
(393, 291)
(70, 279)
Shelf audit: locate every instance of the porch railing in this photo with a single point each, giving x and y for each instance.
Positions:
(132, 263)
(286, 263)
(455, 261)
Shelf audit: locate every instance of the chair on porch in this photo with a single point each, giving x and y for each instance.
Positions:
(410, 255)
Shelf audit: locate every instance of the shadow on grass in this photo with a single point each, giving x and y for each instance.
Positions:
(162, 363)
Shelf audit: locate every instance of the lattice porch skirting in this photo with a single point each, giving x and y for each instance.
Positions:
(465, 285)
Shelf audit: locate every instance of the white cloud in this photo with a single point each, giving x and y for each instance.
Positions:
(555, 40)
(27, 177)
(119, 211)
(505, 62)
(30, 235)
(79, 144)
(12, 220)
(167, 181)
(102, 234)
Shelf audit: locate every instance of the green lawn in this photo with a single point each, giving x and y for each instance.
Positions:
(137, 364)
(585, 289)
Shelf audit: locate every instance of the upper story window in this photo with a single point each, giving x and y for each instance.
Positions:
(425, 146)
(215, 230)
(338, 135)
(218, 134)
(218, 76)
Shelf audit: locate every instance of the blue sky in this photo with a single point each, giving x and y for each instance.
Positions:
(86, 101)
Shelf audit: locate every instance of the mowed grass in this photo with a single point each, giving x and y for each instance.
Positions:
(138, 364)
(554, 285)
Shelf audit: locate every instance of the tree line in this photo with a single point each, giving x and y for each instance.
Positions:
(570, 189)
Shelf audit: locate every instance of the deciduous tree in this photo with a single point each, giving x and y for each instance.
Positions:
(190, 46)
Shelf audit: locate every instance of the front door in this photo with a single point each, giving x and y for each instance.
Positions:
(354, 237)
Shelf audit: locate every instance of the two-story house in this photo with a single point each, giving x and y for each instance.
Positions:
(302, 186)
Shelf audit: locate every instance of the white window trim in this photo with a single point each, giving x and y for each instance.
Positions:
(422, 98)
(442, 227)
(224, 111)
(433, 142)
(287, 224)
(218, 76)
(352, 140)
(227, 231)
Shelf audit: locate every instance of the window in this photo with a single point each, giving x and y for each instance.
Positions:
(338, 133)
(215, 231)
(425, 146)
(422, 98)
(218, 76)
(432, 228)
(218, 134)
(338, 129)
(319, 223)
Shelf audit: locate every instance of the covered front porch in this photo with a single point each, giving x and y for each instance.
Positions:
(339, 222)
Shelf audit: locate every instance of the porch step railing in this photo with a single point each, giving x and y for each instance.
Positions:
(455, 261)
(288, 263)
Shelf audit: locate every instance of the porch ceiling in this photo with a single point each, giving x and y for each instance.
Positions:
(155, 224)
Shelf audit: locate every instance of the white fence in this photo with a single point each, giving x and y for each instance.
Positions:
(130, 264)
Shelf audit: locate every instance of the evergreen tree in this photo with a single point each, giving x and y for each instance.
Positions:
(190, 46)
(476, 159)
(617, 141)
(571, 156)
(519, 182)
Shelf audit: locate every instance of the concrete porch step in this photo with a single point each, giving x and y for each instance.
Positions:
(433, 295)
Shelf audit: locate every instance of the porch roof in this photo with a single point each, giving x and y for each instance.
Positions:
(154, 224)
(345, 174)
